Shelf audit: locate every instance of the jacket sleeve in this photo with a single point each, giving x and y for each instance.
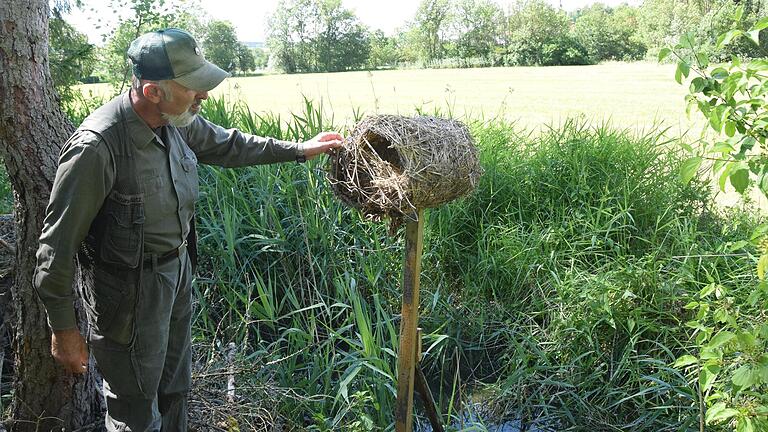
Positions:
(83, 179)
(214, 145)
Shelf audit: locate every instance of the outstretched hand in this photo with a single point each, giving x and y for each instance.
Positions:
(324, 142)
(69, 349)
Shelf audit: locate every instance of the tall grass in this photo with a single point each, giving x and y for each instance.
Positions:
(552, 297)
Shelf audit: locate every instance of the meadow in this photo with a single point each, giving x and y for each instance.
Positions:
(628, 95)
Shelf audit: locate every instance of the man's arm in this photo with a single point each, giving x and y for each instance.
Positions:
(83, 179)
(215, 145)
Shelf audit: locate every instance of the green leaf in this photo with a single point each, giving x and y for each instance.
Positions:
(762, 266)
(691, 305)
(707, 290)
(707, 377)
(764, 184)
(747, 144)
(719, 73)
(754, 36)
(729, 166)
(763, 371)
(708, 354)
(718, 413)
(758, 65)
(349, 374)
(689, 168)
(697, 84)
(688, 40)
(760, 24)
(721, 339)
(685, 360)
(726, 38)
(718, 116)
(735, 246)
(744, 377)
(739, 13)
(746, 340)
(664, 53)
(703, 59)
(745, 425)
(740, 180)
(759, 232)
(685, 68)
(730, 128)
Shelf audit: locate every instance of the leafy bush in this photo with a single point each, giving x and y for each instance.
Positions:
(728, 360)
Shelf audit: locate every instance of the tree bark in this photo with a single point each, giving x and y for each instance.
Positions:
(32, 130)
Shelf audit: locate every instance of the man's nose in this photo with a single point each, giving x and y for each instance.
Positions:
(202, 95)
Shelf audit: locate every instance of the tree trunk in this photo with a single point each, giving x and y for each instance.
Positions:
(32, 130)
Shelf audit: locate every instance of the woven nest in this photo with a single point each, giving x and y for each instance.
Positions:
(391, 166)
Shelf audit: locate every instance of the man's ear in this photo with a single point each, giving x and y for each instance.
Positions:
(152, 92)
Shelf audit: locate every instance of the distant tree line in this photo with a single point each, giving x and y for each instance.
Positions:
(323, 36)
(74, 60)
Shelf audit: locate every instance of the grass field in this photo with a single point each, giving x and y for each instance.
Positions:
(628, 94)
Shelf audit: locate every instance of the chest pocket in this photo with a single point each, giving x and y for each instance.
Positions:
(123, 230)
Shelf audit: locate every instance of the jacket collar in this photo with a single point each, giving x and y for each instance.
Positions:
(138, 130)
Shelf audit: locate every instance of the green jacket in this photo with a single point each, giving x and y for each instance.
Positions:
(129, 189)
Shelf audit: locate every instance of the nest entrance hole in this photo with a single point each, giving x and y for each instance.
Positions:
(383, 148)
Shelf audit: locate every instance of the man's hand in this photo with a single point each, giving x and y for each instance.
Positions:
(69, 349)
(324, 142)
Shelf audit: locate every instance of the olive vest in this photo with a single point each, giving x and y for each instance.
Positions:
(110, 259)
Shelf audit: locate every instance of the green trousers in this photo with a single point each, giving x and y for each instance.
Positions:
(146, 381)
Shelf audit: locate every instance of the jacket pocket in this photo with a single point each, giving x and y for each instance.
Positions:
(110, 304)
(124, 229)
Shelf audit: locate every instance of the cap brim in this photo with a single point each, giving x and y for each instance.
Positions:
(204, 78)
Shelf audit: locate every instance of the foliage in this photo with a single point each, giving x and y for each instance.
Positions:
(473, 27)
(260, 58)
(246, 61)
(384, 50)
(147, 15)
(316, 36)
(663, 22)
(70, 57)
(540, 36)
(730, 332)
(608, 34)
(428, 28)
(221, 46)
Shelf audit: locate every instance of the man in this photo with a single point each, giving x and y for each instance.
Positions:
(123, 203)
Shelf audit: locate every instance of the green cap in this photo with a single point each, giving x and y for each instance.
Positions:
(173, 54)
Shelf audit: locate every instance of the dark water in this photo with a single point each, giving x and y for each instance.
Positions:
(470, 426)
(472, 420)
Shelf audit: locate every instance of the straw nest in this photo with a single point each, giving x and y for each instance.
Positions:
(391, 166)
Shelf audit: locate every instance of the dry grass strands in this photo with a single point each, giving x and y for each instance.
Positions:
(392, 165)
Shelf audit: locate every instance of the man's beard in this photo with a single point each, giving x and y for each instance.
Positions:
(180, 120)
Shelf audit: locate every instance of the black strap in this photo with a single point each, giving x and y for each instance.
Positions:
(192, 244)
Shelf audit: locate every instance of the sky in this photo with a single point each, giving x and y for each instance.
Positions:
(249, 16)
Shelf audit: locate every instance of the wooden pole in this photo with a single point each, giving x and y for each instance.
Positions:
(406, 358)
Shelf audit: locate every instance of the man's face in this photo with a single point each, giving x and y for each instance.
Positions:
(181, 104)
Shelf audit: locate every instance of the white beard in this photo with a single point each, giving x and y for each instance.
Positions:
(181, 120)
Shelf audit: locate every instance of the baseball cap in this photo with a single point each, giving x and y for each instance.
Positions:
(173, 54)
